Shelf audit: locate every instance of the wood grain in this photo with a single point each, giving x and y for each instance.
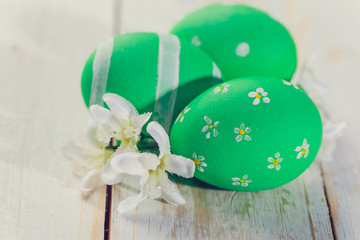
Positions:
(43, 47)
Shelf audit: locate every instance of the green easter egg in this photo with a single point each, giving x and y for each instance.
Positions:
(157, 73)
(242, 40)
(249, 134)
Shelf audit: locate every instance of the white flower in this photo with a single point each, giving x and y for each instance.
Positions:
(241, 131)
(121, 122)
(210, 127)
(199, 162)
(88, 157)
(154, 180)
(222, 88)
(303, 150)
(290, 84)
(181, 115)
(244, 182)
(259, 94)
(275, 162)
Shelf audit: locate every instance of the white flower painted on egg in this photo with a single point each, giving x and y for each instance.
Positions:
(210, 127)
(259, 95)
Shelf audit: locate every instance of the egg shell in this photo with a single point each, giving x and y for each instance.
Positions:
(242, 40)
(134, 72)
(249, 134)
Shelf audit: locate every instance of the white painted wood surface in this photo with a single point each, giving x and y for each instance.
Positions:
(44, 45)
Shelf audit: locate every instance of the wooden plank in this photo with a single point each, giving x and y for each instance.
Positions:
(297, 210)
(43, 47)
(337, 64)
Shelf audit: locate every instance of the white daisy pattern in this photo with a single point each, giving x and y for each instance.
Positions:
(275, 162)
(242, 133)
(223, 88)
(244, 181)
(181, 115)
(303, 150)
(258, 95)
(210, 127)
(290, 84)
(199, 162)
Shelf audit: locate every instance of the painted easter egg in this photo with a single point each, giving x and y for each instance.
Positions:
(242, 40)
(249, 134)
(156, 73)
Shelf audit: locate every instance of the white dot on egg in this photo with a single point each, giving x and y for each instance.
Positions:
(243, 49)
(195, 41)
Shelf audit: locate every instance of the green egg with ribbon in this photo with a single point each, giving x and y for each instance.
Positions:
(249, 134)
(157, 73)
(242, 40)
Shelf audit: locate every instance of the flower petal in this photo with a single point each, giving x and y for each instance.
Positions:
(109, 175)
(235, 183)
(278, 167)
(299, 155)
(90, 181)
(200, 169)
(306, 154)
(203, 164)
(207, 119)
(182, 119)
(121, 107)
(194, 155)
(131, 202)
(235, 179)
(280, 160)
(266, 100)
(259, 90)
(247, 130)
(277, 155)
(217, 90)
(160, 136)
(216, 123)
(215, 132)
(186, 110)
(245, 177)
(135, 163)
(256, 101)
(247, 138)
(208, 135)
(271, 166)
(298, 148)
(201, 158)
(239, 138)
(205, 128)
(174, 197)
(242, 126)
(236, 130)
(140, 120)
(252, 94)
(181, 166)
(270, 159)
(244, 184)
(104, 117)
(264, 94)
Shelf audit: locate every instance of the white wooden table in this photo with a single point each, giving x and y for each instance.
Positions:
(43, 46)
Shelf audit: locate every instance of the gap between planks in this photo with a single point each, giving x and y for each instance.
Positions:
(327, 202)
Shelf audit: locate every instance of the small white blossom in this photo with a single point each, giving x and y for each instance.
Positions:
(154, 180)
(258, 95)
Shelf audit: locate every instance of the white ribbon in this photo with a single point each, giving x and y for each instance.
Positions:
(101, 67)
(168, 79)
